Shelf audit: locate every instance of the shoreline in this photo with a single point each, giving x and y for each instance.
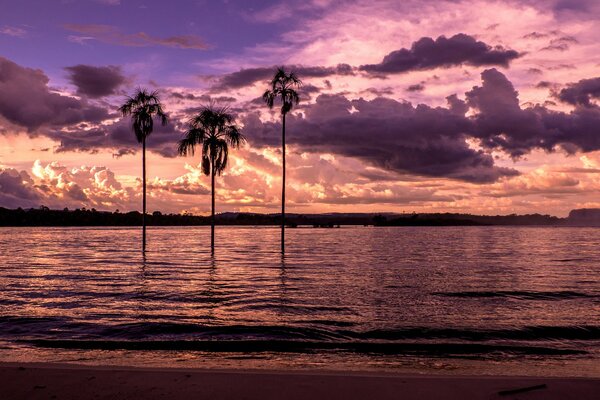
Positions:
(73, 381)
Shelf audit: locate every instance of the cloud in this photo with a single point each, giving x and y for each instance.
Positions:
(26, 100)
(16, 189)
(561, 44)
(427, 53)
(248, 76)
(387, 134)
(112, 35)
(13, 31)
(501, 123)
(95, 81)
(187, 184)
(280, 11)
(205, 98)
(581, 93)
(418, 87)
(119, 137)
(542, 180)
(77, 124)
(58, 186)
(437, 142)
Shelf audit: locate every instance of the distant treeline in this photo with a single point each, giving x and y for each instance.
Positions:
(448, 219)
(44, 216)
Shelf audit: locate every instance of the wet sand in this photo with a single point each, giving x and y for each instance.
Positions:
(62, 381)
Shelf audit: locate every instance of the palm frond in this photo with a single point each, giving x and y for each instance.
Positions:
(221, 156)
(187, 145)
(143, 107)
(205, 164)
(234, 136)
(283, 85)
(214, 129)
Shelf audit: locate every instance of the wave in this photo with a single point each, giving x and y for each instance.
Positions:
(520, 294)
(318, 330)
(291, 346)
(529, 333)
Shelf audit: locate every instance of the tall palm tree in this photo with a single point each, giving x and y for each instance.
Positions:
(283, 88)
(215, 129)
(143, 107)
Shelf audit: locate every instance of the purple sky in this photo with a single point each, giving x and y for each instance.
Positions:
(463, 106)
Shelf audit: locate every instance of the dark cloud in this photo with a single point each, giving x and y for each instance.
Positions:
(387, 91)
(16, 189)
(112, 35)
(501, 123)
(96, 81)
(427, 53)
(561, 44)
(544, 85)
(202, 98)
(536, 35)
(579, 6)
(434, 142)
(561, 67)
(581, 93)
(419, 87)
(26, 100)
(248, 76)
(388, 134)
(120, 138)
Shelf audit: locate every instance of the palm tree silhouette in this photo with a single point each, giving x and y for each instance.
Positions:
(215, 129)
(283, 87)
(142, 108)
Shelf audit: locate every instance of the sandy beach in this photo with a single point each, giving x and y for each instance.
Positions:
(62, 381)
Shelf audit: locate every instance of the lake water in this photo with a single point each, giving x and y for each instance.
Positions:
(475, 300)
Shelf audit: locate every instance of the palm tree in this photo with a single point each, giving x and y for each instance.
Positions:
(283, 87)
(142, 108)
(215, 129)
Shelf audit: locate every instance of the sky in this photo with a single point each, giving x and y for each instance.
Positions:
(487, 107)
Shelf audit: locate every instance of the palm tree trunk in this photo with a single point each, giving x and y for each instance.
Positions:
(283, 188)
(212, 208)
(144, 194)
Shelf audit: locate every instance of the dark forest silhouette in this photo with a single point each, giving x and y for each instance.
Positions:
(44, 216)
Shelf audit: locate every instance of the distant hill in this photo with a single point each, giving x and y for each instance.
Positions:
(584, 217)
(44, 216)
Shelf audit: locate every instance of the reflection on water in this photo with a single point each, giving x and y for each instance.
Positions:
(352, 297)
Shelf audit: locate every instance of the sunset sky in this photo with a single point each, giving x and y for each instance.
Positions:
(487, 107)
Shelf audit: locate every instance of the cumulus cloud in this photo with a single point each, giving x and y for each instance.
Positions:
(188, 184)
(56, 186)
(27, 101)
(427, 53)
(95, 81)
(581, 93)
(112, 35)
